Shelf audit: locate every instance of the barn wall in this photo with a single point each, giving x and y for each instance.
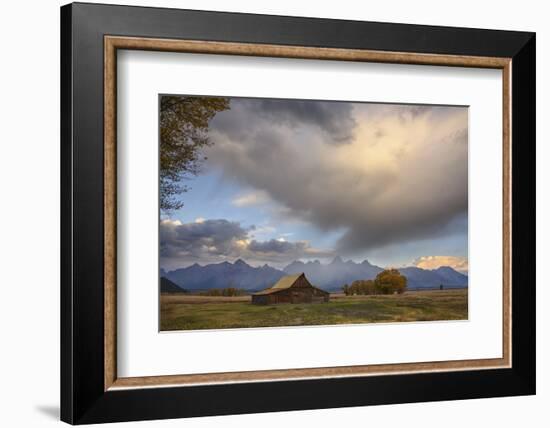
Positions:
(305, 294)
(301, 282)
(282, 297)
(260, 300)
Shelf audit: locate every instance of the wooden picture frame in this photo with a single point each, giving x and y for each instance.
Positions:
(91, 390)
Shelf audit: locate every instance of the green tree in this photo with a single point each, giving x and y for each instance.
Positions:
(390, 281)
(184, 124)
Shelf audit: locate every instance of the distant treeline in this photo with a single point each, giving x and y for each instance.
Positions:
(389, 281)
(225, 292)
(441, 287)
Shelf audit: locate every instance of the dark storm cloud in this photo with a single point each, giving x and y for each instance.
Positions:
(402, 176)
(214, 237)
(210, 241)
(334, 119)
(277, 246)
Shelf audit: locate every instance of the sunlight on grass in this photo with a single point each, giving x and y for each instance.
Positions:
(190, 313)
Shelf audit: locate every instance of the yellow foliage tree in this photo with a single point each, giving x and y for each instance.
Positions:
(390, 281)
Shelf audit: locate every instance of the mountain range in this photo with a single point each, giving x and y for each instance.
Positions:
(331, 276)
(167, 286)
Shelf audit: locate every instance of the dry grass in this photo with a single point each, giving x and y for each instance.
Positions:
(188, 312)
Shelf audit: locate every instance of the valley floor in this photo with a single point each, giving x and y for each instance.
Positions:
(192, 312)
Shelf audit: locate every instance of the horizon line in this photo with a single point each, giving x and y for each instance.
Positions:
(314, 261)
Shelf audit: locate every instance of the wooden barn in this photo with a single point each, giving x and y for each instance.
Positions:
(291, 289)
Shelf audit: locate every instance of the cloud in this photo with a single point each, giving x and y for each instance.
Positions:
(279, 251)
(333, 118)
(251, 198)
(275, 246)
(459, 264)
(206, 237)
(401, 176)
(332, 121)
(213, 241)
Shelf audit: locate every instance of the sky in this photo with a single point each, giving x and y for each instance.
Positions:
(303, 180)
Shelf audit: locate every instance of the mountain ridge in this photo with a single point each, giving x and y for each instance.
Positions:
(331, 276)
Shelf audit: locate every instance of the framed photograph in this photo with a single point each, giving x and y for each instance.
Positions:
(266, 213)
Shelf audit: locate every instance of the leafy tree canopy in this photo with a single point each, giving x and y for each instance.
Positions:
(184, 124)
(390, 281)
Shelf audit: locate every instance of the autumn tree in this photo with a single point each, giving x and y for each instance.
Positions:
(184, 124)
(390, 281)
(362, 287)
(368, 287)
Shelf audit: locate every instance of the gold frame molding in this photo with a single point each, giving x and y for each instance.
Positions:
(113, 43)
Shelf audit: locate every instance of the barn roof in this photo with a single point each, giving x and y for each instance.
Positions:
(283, 283)
(287, 281)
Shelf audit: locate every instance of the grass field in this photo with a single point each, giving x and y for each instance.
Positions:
(190, 312)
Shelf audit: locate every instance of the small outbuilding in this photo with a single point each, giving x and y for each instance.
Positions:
(291, 289)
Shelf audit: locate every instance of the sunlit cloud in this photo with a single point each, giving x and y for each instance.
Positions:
(251, 198)
(459, 264)
(398, 174)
